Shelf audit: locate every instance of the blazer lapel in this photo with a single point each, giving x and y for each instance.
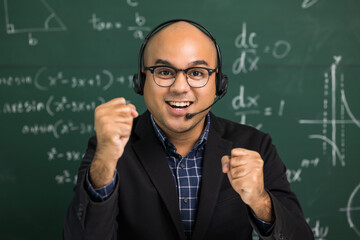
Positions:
(216, 148)
(153, 158)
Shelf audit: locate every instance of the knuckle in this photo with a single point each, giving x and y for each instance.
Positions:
(98, 109)
(256, 154)
(238, 151)
(125, 109)
(121, 100)
(261, 163)
(132, 106)
(235, 151)
(235, 161)
(224, 158)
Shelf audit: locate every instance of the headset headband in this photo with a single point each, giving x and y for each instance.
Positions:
(164, 24)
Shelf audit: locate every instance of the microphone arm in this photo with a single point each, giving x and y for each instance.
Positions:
(191, 115)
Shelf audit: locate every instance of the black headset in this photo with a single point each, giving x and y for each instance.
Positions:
(139, 78)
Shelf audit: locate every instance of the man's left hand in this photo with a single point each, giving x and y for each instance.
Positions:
(245, 172)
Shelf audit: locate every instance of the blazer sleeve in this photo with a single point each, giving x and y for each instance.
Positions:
(86, 219)
(289, 219)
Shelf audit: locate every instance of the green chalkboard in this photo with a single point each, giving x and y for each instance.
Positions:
(293, 68)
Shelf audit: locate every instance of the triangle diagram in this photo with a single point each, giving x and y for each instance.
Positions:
(31, 16)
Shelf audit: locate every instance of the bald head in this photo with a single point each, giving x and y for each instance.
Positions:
(180, 38)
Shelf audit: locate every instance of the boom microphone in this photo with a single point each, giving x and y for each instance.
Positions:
(191, 115)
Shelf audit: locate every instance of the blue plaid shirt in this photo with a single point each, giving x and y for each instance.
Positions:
(187, 173)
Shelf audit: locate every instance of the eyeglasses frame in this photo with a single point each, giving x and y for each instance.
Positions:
(177, 70)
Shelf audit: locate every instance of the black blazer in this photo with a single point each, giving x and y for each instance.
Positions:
(144, 204)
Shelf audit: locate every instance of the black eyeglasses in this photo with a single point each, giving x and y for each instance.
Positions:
(165, 76)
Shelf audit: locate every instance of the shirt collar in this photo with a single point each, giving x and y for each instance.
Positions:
(169, 146)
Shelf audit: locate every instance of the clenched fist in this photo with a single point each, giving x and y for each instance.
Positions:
(113, 124)
(245, 172)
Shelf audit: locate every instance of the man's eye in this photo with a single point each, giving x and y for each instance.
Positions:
(197, 73)
(165, 72)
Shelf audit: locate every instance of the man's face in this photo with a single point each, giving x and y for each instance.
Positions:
(179, 45)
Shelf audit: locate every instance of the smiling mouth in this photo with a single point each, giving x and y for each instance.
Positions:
(179, 104)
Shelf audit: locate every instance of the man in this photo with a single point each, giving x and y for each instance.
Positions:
(178, 171)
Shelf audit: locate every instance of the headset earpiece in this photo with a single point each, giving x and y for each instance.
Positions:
(138, 83)
(221, 84)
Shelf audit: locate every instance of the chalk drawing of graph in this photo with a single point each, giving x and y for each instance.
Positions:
(335, 109)
(29, 17)
(352, 210)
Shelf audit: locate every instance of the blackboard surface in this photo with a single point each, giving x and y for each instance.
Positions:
(293, 66)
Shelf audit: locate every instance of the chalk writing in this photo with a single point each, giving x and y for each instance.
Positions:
(132, 3)
(57, 129)
(69, 155)
(51, 23)
(320, 232)
(308, 3)
(99, 25)
(52, 105)
(104, 80)
(294, 175)
(138, 30)
(15, 81)
(337, 146)
(249, 105)
(45, 79)
(305, 163)
(249, 57)
(352, 210)
(65, 177)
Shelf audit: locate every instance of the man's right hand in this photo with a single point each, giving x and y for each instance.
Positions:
(113, 124)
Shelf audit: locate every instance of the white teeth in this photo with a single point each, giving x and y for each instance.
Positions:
(180, 104)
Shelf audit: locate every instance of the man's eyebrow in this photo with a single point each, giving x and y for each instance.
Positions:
(191, 64)
(198, 62)
(163, 62)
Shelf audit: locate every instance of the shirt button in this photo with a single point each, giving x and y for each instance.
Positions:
(182, 165)
(186, 200)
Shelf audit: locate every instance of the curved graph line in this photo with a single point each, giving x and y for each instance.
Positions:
(52, 15)
(321, 137)
(343, 98)
(348, 207)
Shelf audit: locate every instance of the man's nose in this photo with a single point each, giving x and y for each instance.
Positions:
(180, 84)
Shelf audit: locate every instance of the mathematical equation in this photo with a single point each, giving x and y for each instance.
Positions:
(58, 129)
(66, 178)
(69, 155)
(294, 175)
(51, 22)
(249, 57)
(138, 30)
(245, 105)
(51, 106)
(45, 79)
